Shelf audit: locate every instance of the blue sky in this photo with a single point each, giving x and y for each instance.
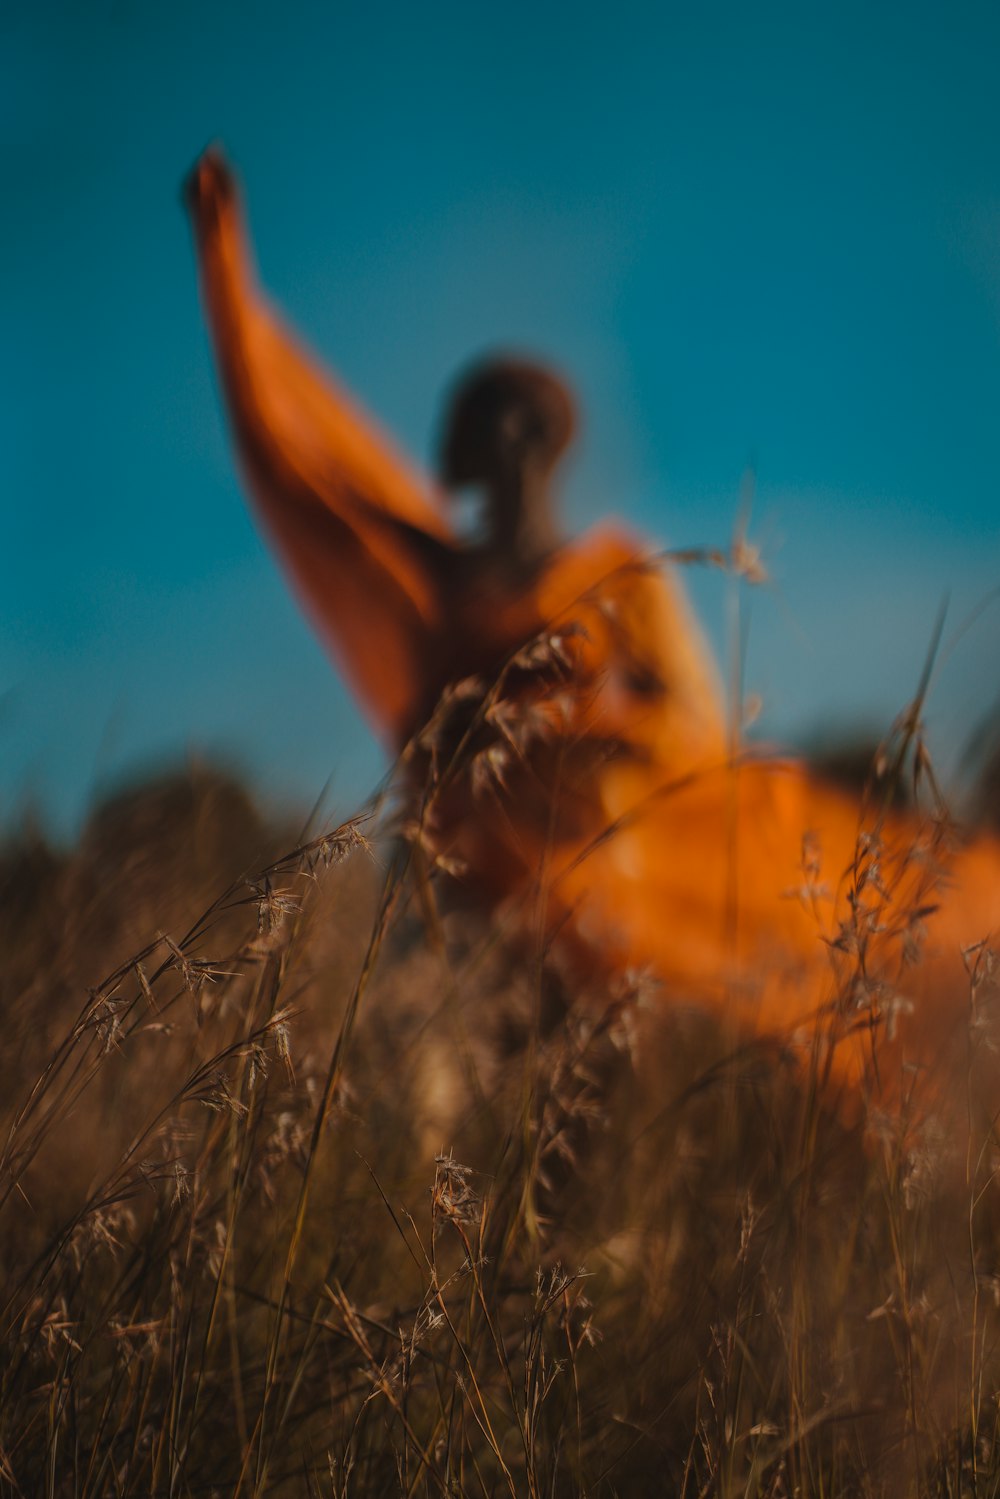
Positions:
(752, 235)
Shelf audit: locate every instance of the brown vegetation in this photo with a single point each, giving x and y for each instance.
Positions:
(315, 1187)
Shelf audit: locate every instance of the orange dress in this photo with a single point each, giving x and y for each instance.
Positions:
(584, 780)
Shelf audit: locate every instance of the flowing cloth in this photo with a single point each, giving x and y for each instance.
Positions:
(578, 758)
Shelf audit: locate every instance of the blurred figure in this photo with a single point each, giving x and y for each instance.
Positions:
(369, 543)
(557, 704)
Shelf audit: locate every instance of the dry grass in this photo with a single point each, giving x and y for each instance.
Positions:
(303, 1196)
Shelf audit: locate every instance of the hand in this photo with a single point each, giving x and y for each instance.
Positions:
(208, 188)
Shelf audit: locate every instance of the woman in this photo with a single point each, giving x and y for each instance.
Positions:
(558, 704)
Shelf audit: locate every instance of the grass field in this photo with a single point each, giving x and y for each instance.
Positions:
(305, 1193)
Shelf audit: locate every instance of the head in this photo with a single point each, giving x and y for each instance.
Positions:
(508, 421)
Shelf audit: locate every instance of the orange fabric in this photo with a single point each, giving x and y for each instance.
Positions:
(596, 794)
(352, 522)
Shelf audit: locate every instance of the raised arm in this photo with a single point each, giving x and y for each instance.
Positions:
(367, 549)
